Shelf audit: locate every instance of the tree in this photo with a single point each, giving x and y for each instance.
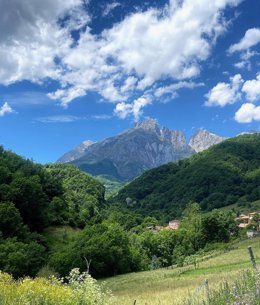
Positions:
(11, 223)
(21, 259)
(219, 226)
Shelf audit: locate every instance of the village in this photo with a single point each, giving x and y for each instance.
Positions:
(250, 222)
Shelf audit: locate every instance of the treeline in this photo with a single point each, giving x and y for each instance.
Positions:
(225, 174)
(123, 242)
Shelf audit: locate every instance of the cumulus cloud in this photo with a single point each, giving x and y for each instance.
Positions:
(251, 38)
(252, 89)
(123, 110)
(36, 44)
(248, 113)
(5, 109)
(225, 93)
(31, 39)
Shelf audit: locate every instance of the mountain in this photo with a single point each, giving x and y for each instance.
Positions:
(130, 153)
(203, 139)
(76, 153)
(225, 174)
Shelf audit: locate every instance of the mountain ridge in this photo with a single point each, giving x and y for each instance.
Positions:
(145, 146)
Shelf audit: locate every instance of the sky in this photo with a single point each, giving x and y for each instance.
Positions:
(80, 70)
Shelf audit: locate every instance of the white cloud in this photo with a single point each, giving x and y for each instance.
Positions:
(248, 113)
(172, 89)
(252, 89)
(225, 93)
(101, 117)
(129, 84)
(123, 110)
(27, 98)
(5, 109)
(245, 60)
(251, 38)
(110, 7)
(59, 119)
(31, 39)
(132, 55)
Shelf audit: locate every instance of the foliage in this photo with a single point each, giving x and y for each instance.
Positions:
(20, 258)
(107, 246)
(84, 196)
(32, 198)
(28, 187)
(80, 289)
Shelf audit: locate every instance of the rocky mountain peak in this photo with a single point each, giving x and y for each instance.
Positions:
(149, 124)
(77, 152)
(203, 139)
(130, 153)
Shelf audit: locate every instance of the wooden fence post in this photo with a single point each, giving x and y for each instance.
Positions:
(207, 289)
(252, 258)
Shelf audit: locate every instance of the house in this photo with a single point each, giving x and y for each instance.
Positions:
(244, 220)
(252, 233)
(173, 224)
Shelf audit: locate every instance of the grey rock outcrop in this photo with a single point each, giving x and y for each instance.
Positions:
(76, 153)
(203, 139)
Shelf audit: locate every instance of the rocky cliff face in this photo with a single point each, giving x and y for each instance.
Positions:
(131, 153)
(76, 153)
(203, 139)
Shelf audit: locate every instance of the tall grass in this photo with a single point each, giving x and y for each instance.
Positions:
(77, 289)
(244, 291)
(174, 286)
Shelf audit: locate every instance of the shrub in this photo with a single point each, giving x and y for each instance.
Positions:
(77, 289)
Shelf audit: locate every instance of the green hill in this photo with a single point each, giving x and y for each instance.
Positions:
(225, 174)
(34, 197)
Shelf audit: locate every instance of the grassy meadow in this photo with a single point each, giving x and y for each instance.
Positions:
(174, 286)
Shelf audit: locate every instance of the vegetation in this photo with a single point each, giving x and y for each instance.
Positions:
(84, 195)
(225, 174)
(32, 198)
(79, 289)
(225, 269)
(55, 218)
(111, 184)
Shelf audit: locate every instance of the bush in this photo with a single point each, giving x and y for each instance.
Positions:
(79, 289)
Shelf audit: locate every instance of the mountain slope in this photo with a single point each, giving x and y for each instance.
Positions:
(224, 174)
(129, 154)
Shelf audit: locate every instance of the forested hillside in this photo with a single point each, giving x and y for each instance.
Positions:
(225, 174)
(84, 195)
(32, 199)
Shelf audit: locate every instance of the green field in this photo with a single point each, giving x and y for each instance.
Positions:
(173, 286)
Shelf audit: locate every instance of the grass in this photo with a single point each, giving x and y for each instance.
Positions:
(173, 286)
(60, 236)
(254, 206)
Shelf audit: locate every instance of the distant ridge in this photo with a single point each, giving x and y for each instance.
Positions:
(143, 147)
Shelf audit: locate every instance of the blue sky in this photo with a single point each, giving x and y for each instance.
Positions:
(88, 69)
